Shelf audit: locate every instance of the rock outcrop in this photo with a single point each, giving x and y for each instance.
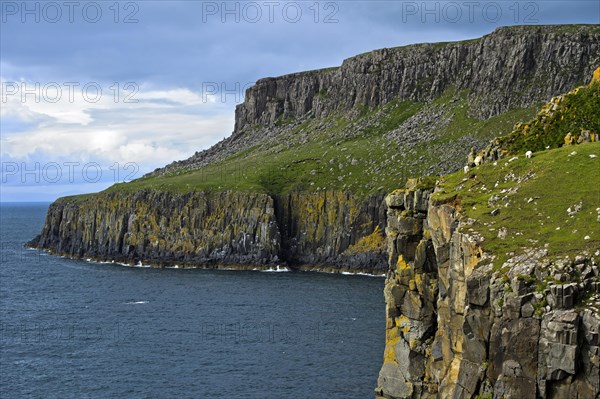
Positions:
(242, 230)
(458, 328)
(165, 228)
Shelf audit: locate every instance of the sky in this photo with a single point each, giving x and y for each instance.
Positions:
(98, 92)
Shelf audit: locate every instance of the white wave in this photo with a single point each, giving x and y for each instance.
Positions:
(111, 262)
(277, 269)
(122, 264)
(362, 274)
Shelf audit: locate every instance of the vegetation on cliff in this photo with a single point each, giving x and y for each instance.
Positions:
(365, 153)
(386, 115)
(567, 119)
(551, 200)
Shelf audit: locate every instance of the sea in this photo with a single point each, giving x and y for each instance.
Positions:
(79, 329)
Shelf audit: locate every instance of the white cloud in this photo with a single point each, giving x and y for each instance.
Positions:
(162, 126)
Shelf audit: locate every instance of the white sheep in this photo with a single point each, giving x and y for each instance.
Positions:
(528, 154)
(478, 160)
(466, 168)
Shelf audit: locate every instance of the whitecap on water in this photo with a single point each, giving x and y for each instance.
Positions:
(362, 274)
(277, 269)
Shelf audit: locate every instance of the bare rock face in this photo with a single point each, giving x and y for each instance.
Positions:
(320, 231)
(486, 67)
(165, 228)
(410, 293)
(456, 328)
(325, 230)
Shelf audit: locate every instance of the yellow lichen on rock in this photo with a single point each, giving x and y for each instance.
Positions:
(403, 323)
(596, 76)
(569, 139)
(392, 338)
(372, 243)
(401, 264)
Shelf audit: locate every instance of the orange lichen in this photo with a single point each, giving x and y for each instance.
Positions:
(596, 76)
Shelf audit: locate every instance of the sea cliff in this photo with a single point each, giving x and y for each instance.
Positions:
(461, 325)
(229, 229)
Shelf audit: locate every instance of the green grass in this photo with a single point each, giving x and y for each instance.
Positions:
(536, 215)
(463, 125)
(395, 113)
(532, 196)
(489, 129)
(313, 166)
(77, 198)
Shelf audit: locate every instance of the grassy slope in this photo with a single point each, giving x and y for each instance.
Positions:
(536, 214)
(369, 161)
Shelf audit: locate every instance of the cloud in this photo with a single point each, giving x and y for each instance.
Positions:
(108, 140)
(159, 127)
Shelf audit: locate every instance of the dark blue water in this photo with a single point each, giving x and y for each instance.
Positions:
(73, 329)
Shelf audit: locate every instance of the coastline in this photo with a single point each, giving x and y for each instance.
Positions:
(279, 268)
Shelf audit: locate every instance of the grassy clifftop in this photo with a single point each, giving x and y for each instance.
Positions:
(551, 201)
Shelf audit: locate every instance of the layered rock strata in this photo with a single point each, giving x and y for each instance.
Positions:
(458, 328)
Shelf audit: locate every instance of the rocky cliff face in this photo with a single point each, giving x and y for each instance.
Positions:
(309, 231)
(513, 67)
(325, 230)
(458, 328)
(514, 58)
(164, 228)
(342, 136)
